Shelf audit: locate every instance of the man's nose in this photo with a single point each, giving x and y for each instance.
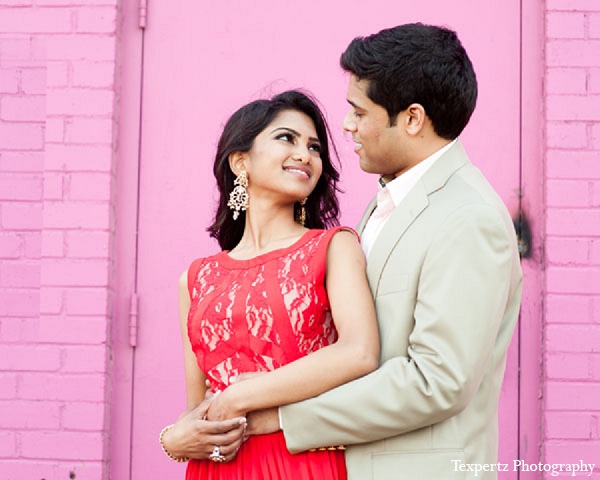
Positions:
(349, 124)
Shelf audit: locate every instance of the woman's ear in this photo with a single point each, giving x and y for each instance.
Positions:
(415, 118)
(237, 162)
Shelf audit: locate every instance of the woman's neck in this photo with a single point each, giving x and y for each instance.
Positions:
(268, 229)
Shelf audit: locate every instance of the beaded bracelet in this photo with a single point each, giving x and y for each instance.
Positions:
(162, 445)
(321, 449)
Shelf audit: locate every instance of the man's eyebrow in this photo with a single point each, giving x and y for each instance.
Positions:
(297, 134)
(354, 104)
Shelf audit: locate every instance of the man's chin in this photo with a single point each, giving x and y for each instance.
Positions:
(367, 167)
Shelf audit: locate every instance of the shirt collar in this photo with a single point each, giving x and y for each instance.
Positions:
(401, 185)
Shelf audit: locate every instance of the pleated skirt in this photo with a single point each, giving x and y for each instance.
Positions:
(265, 457)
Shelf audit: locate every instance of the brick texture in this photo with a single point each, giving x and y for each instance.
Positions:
(57, 128)
(572, 306)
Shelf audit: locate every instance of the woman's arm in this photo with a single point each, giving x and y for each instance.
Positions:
(195, 380)
(355, 353)
(192, 436)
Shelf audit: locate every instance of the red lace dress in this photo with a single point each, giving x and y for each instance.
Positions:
(253, 316)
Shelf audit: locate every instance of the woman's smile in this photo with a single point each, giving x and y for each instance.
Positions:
(299, 171)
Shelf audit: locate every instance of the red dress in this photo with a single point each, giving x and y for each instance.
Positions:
(256, 315)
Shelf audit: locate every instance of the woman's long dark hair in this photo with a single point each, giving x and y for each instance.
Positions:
(322, 207)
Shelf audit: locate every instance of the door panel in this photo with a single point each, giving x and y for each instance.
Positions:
(205, 59)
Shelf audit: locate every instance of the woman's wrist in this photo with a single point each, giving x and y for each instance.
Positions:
(237, 399)
(168, 446)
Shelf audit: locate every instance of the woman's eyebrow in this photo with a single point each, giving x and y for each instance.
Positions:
(297, 134)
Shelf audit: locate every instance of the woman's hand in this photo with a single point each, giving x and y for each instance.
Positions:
(224, 405)
(194, 436)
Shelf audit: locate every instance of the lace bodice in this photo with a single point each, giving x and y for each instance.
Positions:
(259, 314)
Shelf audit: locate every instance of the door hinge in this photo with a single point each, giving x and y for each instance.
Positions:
(523, 231)
(133, 320)
(143, 13)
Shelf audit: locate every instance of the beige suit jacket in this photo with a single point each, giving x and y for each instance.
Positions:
(446, 279)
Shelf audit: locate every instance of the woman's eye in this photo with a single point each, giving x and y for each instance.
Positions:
(315, 147)
(286, 137)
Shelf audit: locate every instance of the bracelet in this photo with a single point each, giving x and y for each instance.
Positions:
(322, 449)
(162, 445)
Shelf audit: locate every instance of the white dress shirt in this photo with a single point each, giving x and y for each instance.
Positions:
(390, 196)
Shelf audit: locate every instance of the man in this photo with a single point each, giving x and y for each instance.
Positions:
(443, 267)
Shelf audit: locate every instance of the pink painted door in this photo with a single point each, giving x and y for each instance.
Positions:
(204, 59)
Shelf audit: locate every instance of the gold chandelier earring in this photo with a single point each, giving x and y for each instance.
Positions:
(301, 213)
(238, 198)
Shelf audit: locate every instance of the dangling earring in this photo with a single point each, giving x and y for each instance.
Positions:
(301, 214)
(238, 198)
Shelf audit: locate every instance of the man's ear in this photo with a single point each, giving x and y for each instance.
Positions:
(415, 119)
(237, 162)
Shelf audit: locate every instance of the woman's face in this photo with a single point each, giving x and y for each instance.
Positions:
(285, 158)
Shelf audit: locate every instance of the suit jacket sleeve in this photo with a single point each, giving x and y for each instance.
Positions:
(462, 295)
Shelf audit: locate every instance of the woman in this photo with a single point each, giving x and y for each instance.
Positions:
(285, 296)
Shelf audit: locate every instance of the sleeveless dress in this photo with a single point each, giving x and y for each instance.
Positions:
(257, 315)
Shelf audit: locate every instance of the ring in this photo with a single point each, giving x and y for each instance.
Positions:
(216, 456)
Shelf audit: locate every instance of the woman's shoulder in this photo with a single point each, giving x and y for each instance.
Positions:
(190, 275)
(336, 240)
(198, 262)
(341, 231)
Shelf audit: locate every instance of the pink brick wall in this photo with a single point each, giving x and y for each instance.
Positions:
(57, 123)
(572, 306)
(22, 116)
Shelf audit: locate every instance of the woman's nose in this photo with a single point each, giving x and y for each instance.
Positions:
(302, 154)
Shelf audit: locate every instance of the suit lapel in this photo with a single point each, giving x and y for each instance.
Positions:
(408, 210)
(368, 212)
(402, 216)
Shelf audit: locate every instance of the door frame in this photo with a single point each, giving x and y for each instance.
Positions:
(531, 321)
(130, 89)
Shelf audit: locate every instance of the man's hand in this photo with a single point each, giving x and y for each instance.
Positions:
(261, 422)
(194, 437)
